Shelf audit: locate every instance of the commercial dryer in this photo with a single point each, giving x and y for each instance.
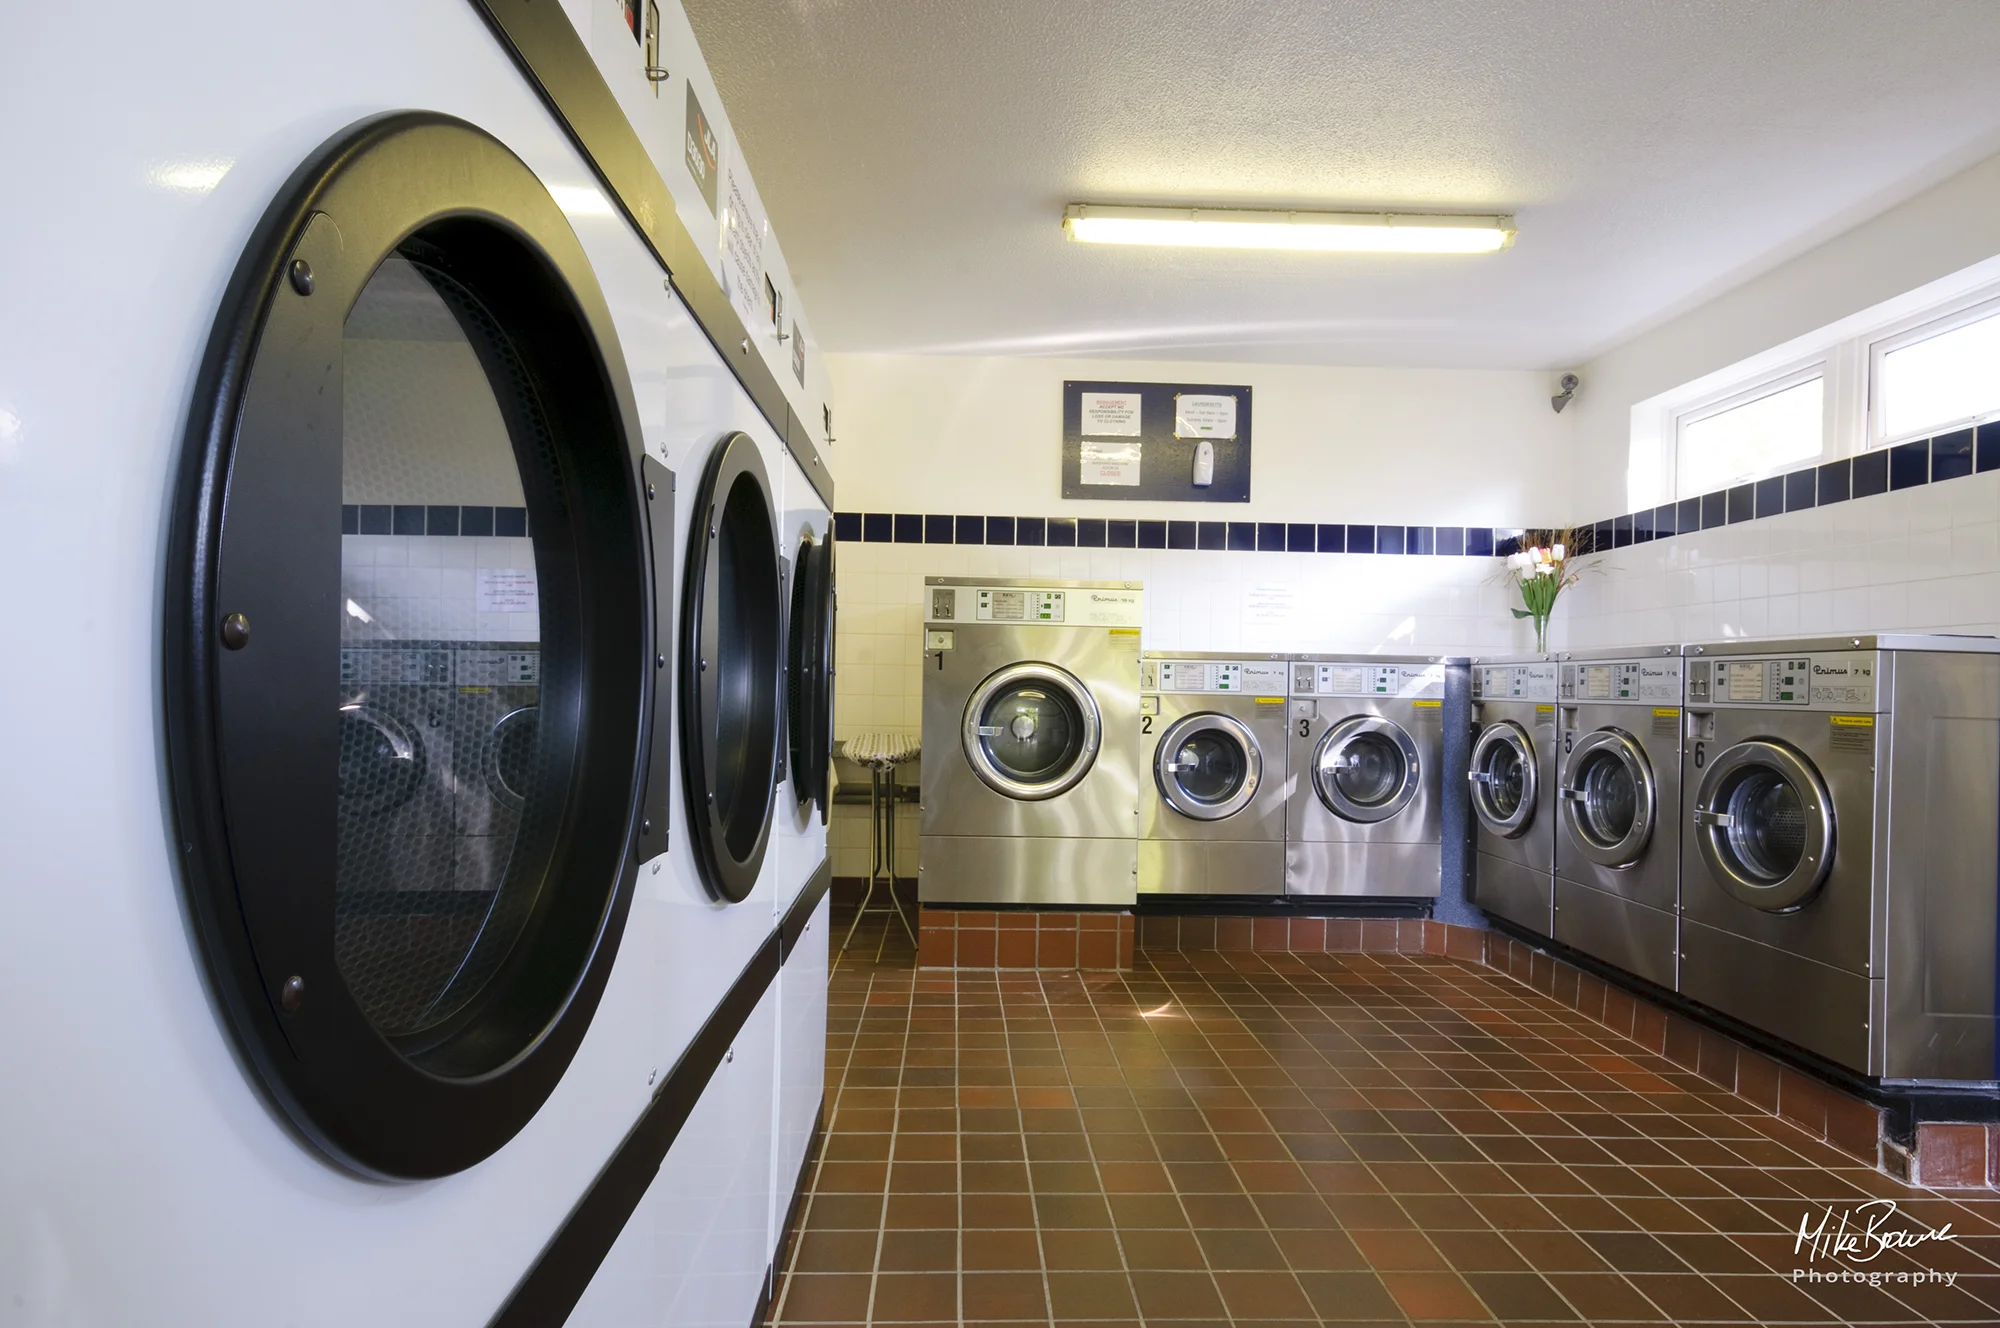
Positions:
(383, 546)
(1618, 797)
(1363, 805)
(1030, 742)
(1843, 841)
(1212, 785)
(1512, 779)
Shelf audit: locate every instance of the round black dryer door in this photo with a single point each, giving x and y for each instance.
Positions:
(1504, 781)
(1763, 823)
(809, 671)
(1031, 731)
(1208, 766)
(732, 668)
(1366, 769)
(408, 675)
(1607, 797)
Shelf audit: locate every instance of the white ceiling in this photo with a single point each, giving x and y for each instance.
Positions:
(916, 156)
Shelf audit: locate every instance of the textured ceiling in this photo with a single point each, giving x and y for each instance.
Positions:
(916, 157)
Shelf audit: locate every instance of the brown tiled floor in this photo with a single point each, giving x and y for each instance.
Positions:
(1335, 1138)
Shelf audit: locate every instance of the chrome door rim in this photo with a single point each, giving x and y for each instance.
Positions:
(1622, 747)
(1510, 734)
(1337, 737)
(1170, 788)
(990, 774)
(1712, 823)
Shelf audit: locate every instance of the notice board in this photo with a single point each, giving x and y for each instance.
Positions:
(1138, 441)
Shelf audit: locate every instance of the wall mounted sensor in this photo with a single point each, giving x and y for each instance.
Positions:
(1204, 464)
(1568, 383)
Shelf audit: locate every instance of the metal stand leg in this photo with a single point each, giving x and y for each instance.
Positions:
(882, 855)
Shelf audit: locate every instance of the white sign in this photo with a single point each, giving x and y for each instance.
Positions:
(1204, 416)
(743, 252)
(1108, 463)
(1268, 604)
(1111, 414)
(507, 590)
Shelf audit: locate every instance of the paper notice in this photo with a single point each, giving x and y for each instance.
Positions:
(1198, 416)
(1108, 463)
(1111, 414)
(1268, 604)
(506, 590)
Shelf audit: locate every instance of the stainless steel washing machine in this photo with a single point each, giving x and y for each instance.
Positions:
(1030, 742)
(1212, 790)
(1618, 794)
(1363, 805)
(1512, 773)
(1843, 834)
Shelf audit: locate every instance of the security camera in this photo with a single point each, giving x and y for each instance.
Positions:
(1569, 382)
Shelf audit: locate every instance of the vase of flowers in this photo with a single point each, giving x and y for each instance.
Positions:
(1542, 570)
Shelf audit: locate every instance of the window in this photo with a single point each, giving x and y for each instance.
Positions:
(1773, 427)
(1944, 372)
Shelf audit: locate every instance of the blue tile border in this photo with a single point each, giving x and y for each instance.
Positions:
(1947, 456)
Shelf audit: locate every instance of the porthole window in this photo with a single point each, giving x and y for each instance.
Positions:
(410, 651)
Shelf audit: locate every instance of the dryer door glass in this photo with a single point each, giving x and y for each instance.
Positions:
(1764, 825)
(1366, 769)
(1031, 731)
(1208, 766)
(444, 822)
(1503, 778)
(1608, 798)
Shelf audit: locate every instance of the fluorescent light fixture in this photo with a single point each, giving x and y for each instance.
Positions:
(1341, 232)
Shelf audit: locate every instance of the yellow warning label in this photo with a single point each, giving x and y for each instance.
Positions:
(1853, 721)
(474, 691)
(1270, 700)
(1426, 705)
(1666, 712)
(1545, 710)
(1124, 631)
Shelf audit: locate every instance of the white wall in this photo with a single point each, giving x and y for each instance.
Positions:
(1933, 235)
(935, 433)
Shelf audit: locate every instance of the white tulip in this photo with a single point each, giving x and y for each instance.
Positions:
(1517, 560)
(1559, 553)
(1546, 569)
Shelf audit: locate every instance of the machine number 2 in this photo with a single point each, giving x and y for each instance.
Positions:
(1145, 723)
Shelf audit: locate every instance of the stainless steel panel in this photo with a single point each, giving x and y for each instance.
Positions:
(1211, 867)
(1309, 820)
(1535, 847)
(1104, 803)
(1325, 867)
(1816, 1006)
(1263, 818)
(979, 869)
(1512, 891)
(1638, 939)
(1653, 880)
(1941, 866)
(1836, 925)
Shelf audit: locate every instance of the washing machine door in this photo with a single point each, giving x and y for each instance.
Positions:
(1031, 731)
(1505, 784)
(1366, 769)
(809, 671)
(1208, 766)
(413, 448)
(1763, 822)
(732, 669)
(1608, 798)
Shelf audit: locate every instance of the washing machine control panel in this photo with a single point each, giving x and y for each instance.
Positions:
(1056, 606)
(1255, 677)
(1514, 682)
(1635, 681)
(1842, 681)
(1367, 678)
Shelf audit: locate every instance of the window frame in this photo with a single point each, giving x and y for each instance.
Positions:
(1820, 368)
(1977, 308)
